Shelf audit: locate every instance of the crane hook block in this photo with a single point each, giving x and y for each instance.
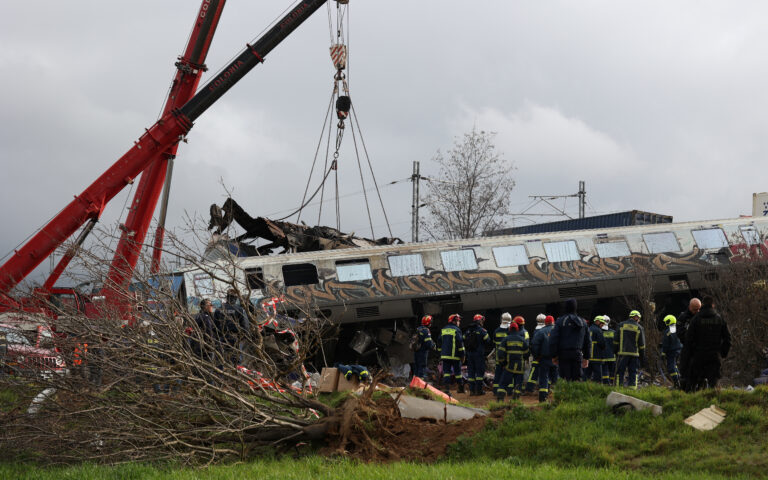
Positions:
(343, 104)
(339, 56)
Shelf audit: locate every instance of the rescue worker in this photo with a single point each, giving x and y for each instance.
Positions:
(570, 342)
(452, 353)
(631, 350)
(542, 352)
(670, 349)
(351, 372)
(425, 345)
(706, 341)
(514, 350)
(597, 349)
(533, 374)
(476, 338)
(498, 336)
(609, 353)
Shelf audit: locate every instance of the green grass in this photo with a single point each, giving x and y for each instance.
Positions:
(578, 430)
(319, 468)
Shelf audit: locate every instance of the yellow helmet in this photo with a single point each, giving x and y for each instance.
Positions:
(635, 313)
(670, 320)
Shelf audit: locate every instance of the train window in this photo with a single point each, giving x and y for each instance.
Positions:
(458, 260)
(299, 274)
(661, 242)
(353, 270)
(403, 265)
(255, 278)
(566, 251)
(612, 249)
(510, 256)
(203, 285)
(750, 234)
(710, 238)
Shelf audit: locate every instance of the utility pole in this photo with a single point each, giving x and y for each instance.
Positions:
(582, 199)
(415, 203)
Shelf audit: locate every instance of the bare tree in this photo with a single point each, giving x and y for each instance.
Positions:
(741, 296)
(472, 191)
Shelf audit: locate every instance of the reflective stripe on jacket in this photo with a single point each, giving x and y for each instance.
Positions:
(452, 343)
(631, 339)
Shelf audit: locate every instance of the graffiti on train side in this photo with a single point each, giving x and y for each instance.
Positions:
(540, 270)
(384, 285)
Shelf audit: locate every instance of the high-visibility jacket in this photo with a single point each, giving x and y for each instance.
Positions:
(425, 339)
(498, 336)
(596, 343)
(609, 353)
(514, 349)
(671, 343)
(631, 339)
(452, 343)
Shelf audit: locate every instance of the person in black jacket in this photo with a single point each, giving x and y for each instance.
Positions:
(706, 341)
(685, 317)
(202, 338)
(570, 342)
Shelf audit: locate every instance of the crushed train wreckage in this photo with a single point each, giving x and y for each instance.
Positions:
(291, 237)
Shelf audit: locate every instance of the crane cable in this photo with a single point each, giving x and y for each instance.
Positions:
(339, 53)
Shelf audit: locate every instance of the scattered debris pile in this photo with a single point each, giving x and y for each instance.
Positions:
(290, 237)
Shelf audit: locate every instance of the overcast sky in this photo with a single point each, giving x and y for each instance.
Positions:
(657, 105)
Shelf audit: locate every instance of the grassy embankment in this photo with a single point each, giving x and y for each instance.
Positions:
(576, 437)
(579, 431)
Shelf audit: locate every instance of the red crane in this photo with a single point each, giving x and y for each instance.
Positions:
(153, 147)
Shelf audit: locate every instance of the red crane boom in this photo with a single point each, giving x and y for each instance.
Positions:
(156, 140)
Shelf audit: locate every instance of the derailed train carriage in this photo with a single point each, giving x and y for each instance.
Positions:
(375, 294)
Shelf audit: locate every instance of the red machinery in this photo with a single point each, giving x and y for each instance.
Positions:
(150, 154)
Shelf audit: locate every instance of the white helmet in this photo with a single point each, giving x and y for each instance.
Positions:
(540, 318)
(506, 319)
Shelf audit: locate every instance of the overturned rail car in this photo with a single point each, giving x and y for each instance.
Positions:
(522, 273)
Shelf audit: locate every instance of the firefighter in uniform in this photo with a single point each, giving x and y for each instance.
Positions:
(426, 345)
(670, 349)
(452, 353)
(514, 350)
(631, 349)
(533, 375)
(475, 340)
(609, 354)
(498, 336)
(597, 349)
(542, 352)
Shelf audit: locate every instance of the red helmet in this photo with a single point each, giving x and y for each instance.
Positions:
(426, 320)
(454, 318)
(519, 320)
(549, 320)
(514, 326)
(478, 318)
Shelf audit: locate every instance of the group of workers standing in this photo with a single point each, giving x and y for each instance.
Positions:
(575, 349)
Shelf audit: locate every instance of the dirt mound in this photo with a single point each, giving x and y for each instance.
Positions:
(372, 430)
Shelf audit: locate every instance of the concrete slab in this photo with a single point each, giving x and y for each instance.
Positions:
(414, 407)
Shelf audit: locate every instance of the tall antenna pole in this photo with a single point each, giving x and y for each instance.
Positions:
(415, 203)
(582, 199)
